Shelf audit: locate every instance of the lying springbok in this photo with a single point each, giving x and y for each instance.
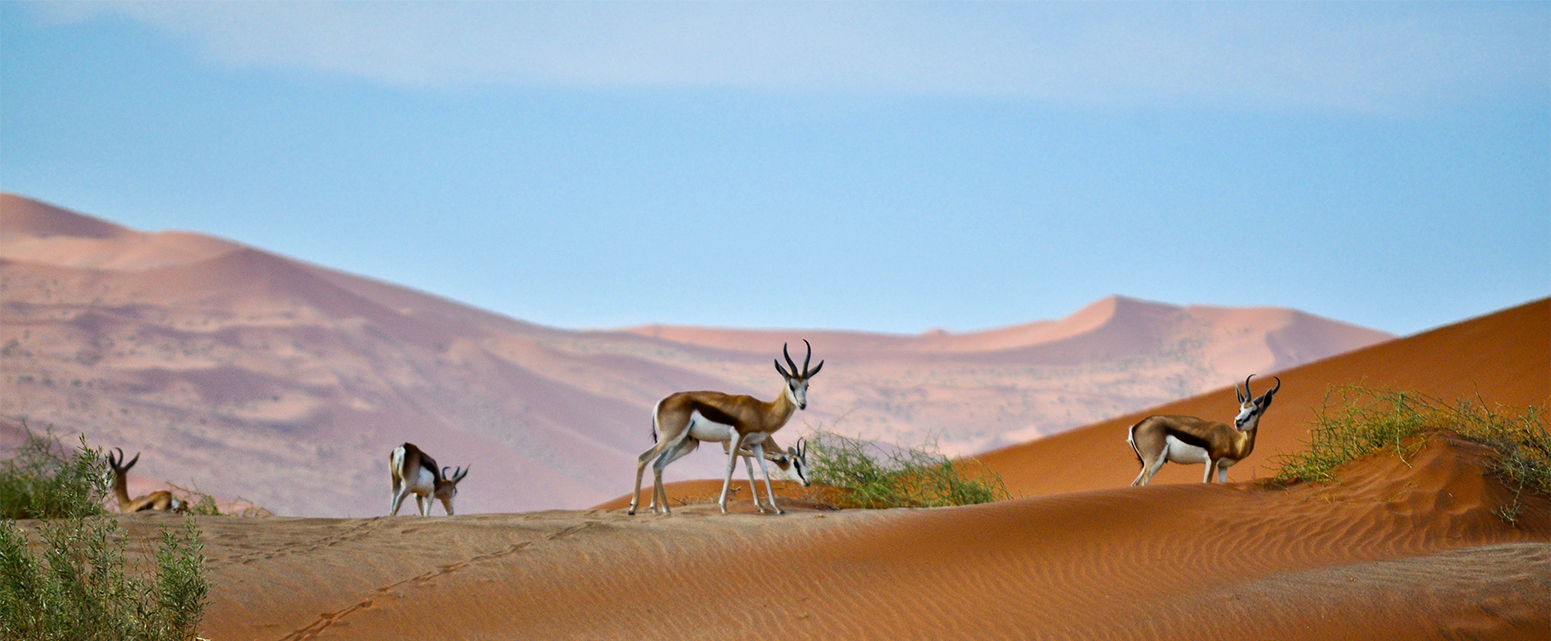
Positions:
(793, 464)
(159, 500)
(1187, 439)
(415, 471)
(686, 418)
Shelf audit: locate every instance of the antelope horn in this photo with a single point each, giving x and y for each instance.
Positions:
(807, 358)
(113, 462)
(1266, 397)
(460, 473)
(788, 356)
(1248, 394)
(445, 476)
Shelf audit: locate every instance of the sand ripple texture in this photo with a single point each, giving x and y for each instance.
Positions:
(1397, 551)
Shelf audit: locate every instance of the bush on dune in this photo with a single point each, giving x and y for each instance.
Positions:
(1366, 420)
(43, 480)
(77, 587)
(862, 475)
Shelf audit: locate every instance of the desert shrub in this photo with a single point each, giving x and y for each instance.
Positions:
(77, 588)
(861, 474)
(1365, 420)
(44, 479)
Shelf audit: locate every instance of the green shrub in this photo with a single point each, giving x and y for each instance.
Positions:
(1367, 420)
(914, 477)
(78, 589)
(45, 480)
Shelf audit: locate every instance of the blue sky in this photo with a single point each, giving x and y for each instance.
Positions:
(879, 166)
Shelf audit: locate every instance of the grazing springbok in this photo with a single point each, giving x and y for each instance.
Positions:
(415, 471)
(793, 464)
(686, 418)
(159, 500)
(1188, 440)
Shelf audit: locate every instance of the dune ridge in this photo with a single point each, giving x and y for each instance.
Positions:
(1499, 358)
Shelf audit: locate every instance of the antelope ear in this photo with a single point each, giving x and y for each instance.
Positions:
(816, 369)
(132, 461)
(782, 371)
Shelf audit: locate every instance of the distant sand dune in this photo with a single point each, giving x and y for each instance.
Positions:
(248, 373)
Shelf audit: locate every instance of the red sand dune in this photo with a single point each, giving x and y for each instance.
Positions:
(249, 374)
(1502, 358)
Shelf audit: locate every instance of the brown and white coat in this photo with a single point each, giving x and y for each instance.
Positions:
(742, 423)
(1189, 440)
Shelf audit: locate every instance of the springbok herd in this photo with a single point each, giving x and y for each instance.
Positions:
(746, 427)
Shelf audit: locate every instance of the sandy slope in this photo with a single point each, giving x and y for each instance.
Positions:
(251, 374)
(1501, 358)
(1392, 552)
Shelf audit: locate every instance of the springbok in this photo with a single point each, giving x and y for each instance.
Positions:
(159, 500)
(1188, 440)
(793, 464)
(686, 418)
(415, 471)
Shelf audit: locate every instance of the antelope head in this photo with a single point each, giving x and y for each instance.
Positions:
(117, 462)
(447, 487)
(795, 463)
(797, 380)
(1250, 408)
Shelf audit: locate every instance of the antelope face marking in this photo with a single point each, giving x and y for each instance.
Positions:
(797, 392)
(799, 466)
(1247, 412)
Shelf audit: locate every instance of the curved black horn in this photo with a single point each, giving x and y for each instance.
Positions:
(1248, 394)
(789, 362)
(1266, 397)
(113, 462)
(806, 359)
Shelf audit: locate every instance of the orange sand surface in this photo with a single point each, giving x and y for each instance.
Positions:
(1501, 358)
(1396, 550)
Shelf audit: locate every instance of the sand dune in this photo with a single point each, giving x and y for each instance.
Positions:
(1499, 358)
(1393, 551)
(251, 374)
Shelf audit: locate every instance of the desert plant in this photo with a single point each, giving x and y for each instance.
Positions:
(78, 587)
(859, 473)
(1365, 420)
(44, 479)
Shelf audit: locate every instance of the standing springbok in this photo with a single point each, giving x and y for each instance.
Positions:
(1187, 439)
(158, 500)
(686, 418)
(415, 471)
(793, 464)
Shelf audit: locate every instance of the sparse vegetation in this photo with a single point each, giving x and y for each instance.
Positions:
(863, 475)
(44, 480)
(78, 588)
(1365, 420)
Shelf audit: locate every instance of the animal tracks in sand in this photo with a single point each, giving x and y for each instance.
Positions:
(396, 590)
